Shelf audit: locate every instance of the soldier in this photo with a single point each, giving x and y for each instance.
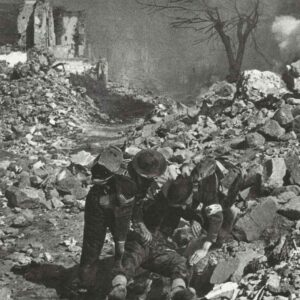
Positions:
(109, 204)
(215, 189)
(145, 169)
(161, 218)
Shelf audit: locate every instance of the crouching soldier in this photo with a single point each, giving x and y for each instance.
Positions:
(109, 204)
(215, 188)
(146, 169)
(161, 218)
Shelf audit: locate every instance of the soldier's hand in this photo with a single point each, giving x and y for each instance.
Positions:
(197, 256)
(196, 229)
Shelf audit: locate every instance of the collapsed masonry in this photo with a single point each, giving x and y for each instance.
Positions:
(42, 26)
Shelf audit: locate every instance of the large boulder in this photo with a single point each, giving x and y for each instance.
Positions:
(82, 158)
(224, 270)
(272, 130)
(24, 197)
(256, 85)
(291, 209)
(296, 126)
(66, 182)
(252, 225)
(219, 96)
(274, 173)
(254, 140)
(284, 116)
(292, 162)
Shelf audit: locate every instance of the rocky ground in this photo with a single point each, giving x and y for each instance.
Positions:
(52, 125)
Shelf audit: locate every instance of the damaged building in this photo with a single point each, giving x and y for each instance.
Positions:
(41, 25)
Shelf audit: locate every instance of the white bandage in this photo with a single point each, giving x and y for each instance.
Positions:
(178, 283)
(213, 209)
(119, 280)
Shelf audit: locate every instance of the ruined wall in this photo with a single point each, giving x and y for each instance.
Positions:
(44, 35)
(71, 39)
(23, 23)
(143, 51)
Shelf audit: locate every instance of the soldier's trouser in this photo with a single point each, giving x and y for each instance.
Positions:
(96, 221)
(157, 258)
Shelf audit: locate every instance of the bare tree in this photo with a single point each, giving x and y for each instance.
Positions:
(232, 22)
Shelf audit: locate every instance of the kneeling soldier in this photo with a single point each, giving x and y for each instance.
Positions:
(109, 204)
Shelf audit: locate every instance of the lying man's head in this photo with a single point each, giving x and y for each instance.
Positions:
(180, 192)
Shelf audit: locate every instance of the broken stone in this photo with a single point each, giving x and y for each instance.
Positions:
(79, 192)
(244, 257)
(20, 258)
(69, 200)
(273, 283)
(291, 209)
(224, 270)
(285, 197)
(293, 166)
(254, 140)
(272, 130)
(24, 219)
(251, 226)
(284, 116)
(289, 188)
(274, 172)
(82, 158)
(56, 203)
(226, 290)
(5, 293)
(24, 198)
(296, 126)
(66, 182)
(256, 85)
(24, 180)
(80, 204)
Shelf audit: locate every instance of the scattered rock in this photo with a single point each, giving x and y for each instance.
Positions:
(272, 130)
(224, 270)
(284, 116)
(293, 167)
(24, 198)
(254, 140)
(274, 173)
(82, 158)
(291, 209)
(273, 283)
(5, 293)
(251, 226)
(256, 85)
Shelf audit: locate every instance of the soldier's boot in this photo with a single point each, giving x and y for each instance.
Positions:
(119, 290)
(87, 275)
(179, 291)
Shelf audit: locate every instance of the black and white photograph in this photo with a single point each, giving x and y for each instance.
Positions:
(149, 150)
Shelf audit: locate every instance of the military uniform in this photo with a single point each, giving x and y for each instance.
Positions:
(214, 194)
(109, 206)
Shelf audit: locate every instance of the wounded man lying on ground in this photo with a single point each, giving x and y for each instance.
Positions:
(159, 256)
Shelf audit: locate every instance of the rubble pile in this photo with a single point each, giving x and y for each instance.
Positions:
(39, 107)
(255, 125)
